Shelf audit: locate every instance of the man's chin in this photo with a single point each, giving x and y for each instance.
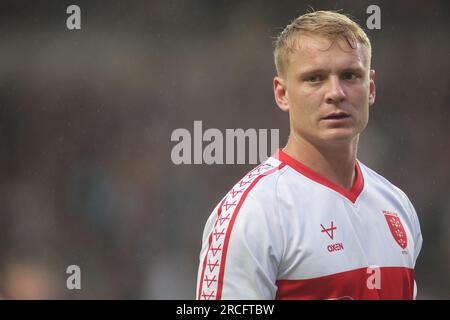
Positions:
(336, 137)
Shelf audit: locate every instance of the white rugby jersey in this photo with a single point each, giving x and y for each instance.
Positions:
(285, 232)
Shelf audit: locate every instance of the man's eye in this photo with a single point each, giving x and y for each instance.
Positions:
(315, 78)
(350, 76)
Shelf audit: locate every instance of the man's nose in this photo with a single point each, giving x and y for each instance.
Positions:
(335, 93)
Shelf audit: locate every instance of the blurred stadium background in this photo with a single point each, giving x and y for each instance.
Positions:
(86, 117)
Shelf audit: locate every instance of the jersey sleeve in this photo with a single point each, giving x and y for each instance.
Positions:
(418, 240)
(415, 224)
(242, 248)
(416, 233)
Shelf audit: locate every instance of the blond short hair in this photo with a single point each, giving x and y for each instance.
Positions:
(328, 24)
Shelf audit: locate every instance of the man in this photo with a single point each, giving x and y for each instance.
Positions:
(313, 222)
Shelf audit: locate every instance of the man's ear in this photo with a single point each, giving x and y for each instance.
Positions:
(280, 92)
(372, 87)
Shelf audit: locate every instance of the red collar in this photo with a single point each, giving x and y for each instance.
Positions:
(351, 194)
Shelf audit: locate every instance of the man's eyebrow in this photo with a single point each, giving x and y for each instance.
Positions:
(310, 72)
(355, 69)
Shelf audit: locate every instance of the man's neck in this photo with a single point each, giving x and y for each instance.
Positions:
(336, 163)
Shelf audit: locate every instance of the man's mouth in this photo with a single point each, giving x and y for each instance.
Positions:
(336, 116)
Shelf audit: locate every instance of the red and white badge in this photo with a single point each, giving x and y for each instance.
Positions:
(396, 227)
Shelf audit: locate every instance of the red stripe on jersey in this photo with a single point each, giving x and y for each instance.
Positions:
(396, 283)
(230, 227)
(207, 251)
(351, 194)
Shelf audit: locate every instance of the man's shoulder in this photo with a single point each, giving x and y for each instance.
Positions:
(258, 186)
(396, 196)
(378, 181)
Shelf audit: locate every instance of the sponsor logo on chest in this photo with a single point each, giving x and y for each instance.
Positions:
(333, 247)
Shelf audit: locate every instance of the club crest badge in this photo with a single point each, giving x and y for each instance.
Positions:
(396, 227)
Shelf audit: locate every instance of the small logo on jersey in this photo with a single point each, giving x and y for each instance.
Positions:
(335, 247)
(396, 227)
(330, 230)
